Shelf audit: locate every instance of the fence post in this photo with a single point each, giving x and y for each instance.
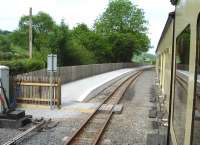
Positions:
(59, 94)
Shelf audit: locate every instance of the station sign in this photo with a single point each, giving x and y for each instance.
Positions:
(52, 63)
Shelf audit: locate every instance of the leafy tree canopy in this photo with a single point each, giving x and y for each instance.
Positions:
(126, 28)
(118, 34)
(94, 42)
(121, 16)
(42, 26)
(5, 44)
(41, 23)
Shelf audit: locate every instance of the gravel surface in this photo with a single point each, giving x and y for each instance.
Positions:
(55, 135)
(128, 128)
(132, 125)
(6, 134)
(52, 136)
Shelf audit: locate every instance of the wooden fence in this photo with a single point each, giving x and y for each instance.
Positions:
(36, 90)
(34, 87)
(72, 73)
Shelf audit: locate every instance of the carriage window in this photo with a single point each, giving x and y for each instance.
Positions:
(182, 50)
(181, 81)
(196, 118)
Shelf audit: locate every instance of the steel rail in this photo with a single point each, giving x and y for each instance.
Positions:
(75, 135)
(88, 100)
(87, 120)
(98, 136)
(18, 137)
(117, 101)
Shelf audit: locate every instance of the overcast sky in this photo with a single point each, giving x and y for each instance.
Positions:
(82, 11)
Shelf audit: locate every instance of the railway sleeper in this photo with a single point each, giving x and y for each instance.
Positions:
(95, 124)
(82, 141)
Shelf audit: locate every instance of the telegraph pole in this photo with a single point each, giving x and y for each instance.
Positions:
(30, 33)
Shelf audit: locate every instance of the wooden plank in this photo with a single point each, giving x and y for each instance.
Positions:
(32, 106)
(38, 84)
(33, 99)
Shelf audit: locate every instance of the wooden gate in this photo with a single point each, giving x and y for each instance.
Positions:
(36, 91)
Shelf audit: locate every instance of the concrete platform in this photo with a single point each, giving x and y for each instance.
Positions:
(75, 92)
(72, 95)
(79, 90)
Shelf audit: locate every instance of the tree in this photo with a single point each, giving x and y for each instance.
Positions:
(42, 25)
(94, 42)
(5, 48)
(81, 55)
(125, 26)
(4, 32)
(121, 16)
(20, 38)
(68, 49)
(5, 44)
(142, 43)
(59, 43)
(144, 58)
(122, 47)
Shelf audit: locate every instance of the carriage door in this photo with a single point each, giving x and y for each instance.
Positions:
(181, 82)
(196, 107)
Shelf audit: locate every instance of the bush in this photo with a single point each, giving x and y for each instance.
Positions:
(6, 55)
(5, 44)
(22, 66)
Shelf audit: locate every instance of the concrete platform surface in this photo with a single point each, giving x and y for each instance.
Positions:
(72, 95)
(78, 90)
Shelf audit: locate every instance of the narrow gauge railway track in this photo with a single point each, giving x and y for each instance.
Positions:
(38, 126)
(91, 130)
(108, 91)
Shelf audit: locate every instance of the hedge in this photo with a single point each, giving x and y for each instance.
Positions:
(23, 65)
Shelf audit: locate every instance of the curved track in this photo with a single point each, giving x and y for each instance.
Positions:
(91, 130)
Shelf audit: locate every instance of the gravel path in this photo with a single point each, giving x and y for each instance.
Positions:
(132, 125)
(6, 134)
(128, 128)
(53, 136)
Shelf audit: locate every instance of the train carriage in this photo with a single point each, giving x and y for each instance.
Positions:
(178, 66)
